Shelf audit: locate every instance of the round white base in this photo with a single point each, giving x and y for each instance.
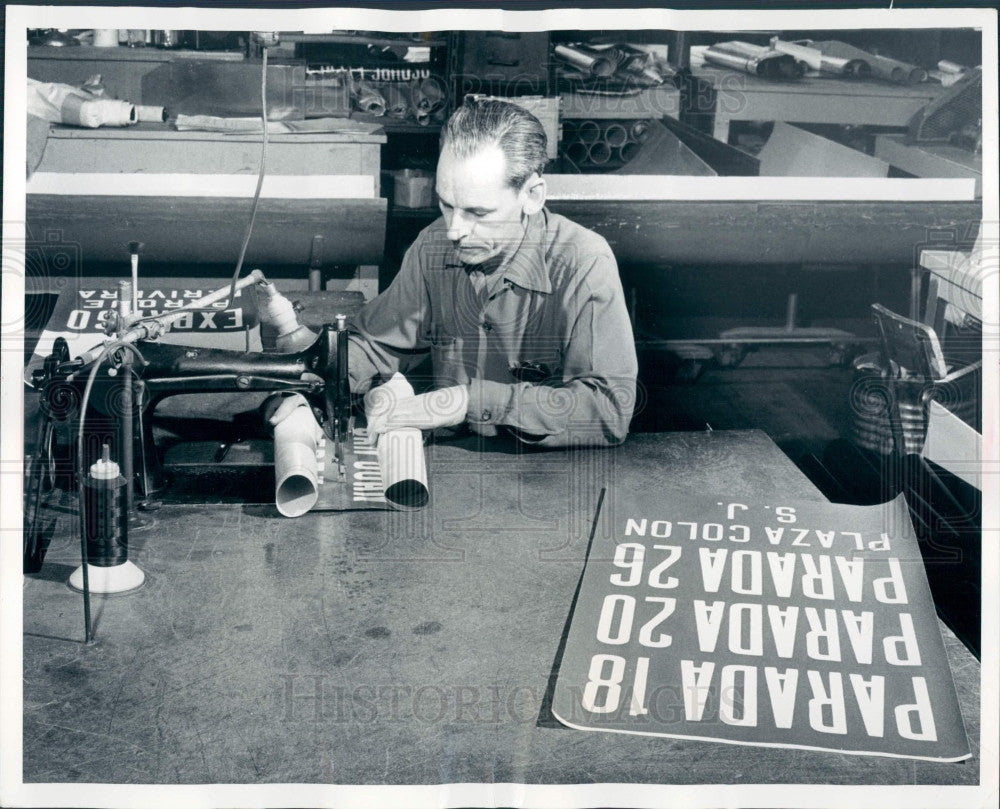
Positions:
(117, 579)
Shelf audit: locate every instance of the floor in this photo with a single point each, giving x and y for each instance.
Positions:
(793, 394)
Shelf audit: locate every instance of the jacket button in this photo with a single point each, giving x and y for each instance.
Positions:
(486, 415)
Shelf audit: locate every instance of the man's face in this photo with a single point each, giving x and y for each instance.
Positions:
(484, 215)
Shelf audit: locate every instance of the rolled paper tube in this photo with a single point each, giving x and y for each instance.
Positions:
(853, 68)
(588, 131)
(404, 470)
(600, 153)
(428, 96)
(634, 61)
(370, 100)
(593, 63)
(727, 59)
(883, 67)
(946, 66)
(812, 57)
(147, 113)
(296, 471)
(769, 64)
(401, 458)
(741, 48)
(900, 72)
(640, 131)
(578, 152)
(397, 105)
(627, 151)
(107, 112)
(615, 135)
(105, 37)
(778, 66)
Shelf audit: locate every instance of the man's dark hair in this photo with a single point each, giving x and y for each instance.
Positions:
(479, 123)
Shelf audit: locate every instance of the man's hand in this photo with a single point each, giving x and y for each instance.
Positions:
(281, 406)
(386, 410)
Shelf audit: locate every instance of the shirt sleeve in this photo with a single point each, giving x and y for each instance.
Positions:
(390, 333)
(592, 403)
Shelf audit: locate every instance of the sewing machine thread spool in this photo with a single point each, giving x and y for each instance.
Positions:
(105, 518)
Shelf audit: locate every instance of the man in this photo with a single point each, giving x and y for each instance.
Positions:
(521, 309)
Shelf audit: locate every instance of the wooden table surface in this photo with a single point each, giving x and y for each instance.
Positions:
(742, 97)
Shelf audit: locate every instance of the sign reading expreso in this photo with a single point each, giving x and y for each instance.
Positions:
(809, 626)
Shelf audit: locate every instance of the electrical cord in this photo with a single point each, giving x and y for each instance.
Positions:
(116, 345)
(260, 177)
(261, 172)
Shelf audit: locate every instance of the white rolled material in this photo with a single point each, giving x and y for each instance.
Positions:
(150, 113)
(61, 103)
(107, 112)
(397, 105)
(401, 457)
(812, 57)
(370, 100)
(105, 37)
(951, 67)
(594, 63)
(428, 96)
(296, 470)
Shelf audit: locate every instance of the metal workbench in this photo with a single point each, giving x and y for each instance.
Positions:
(389, 648)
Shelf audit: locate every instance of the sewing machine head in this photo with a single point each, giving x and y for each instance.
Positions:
(91, 385)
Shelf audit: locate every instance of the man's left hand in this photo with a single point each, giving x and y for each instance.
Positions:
(446, 407)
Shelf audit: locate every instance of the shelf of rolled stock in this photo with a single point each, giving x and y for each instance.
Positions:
(602, 145)
(792, 60)
(421, 101)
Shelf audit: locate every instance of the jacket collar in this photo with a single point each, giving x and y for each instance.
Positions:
(527, 267)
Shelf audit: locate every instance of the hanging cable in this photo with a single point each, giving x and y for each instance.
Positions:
(260, 177)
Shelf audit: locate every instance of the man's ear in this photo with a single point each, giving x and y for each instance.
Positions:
(533, 194)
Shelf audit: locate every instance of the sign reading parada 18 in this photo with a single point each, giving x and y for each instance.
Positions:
(806, 626)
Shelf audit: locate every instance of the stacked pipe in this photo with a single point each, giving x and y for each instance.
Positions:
(603, 144)
(422, 101)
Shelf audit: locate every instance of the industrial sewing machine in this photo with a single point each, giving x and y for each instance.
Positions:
(106, 396)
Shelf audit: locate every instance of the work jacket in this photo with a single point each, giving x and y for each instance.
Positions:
(545, 345)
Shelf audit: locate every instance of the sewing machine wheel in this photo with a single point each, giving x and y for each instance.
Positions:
(41, 467)
(40, 478)
(60, 350)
